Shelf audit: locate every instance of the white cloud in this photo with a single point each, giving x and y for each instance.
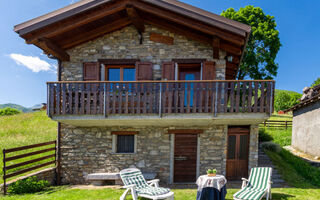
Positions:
(33, 63)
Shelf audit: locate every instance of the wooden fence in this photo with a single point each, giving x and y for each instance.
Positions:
(277, 123)
(6, 159)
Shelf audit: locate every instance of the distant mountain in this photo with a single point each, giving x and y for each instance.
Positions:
(16, 106)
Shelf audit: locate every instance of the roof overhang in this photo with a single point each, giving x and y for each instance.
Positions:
(86, 20)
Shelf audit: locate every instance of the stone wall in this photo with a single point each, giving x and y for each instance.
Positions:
(254, 146)
(89, 150)
(124, 44)
(305, 129)
(213, 142)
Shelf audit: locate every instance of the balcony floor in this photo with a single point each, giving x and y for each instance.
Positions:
(184, 120)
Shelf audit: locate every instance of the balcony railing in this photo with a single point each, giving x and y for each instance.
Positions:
(159, 97)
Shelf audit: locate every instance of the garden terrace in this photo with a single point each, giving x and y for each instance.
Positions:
(103, 100)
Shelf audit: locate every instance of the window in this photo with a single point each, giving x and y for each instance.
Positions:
(120, 73)
(124, 141)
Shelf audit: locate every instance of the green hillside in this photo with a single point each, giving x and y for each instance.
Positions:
(288, 91)
(25, 129)
(16, 106)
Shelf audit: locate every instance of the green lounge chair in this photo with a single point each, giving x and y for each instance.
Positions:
(258, 185)
(134, 181)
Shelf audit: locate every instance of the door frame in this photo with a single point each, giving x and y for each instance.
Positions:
(172, 143)
(245, 132)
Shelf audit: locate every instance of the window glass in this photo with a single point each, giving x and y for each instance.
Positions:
(129, 74)
(114, 74)
(189, 77)
(243, 147)
(125, 143)
(231, 147)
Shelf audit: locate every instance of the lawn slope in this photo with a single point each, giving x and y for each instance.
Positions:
(25, 129)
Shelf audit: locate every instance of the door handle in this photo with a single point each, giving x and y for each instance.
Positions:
(181, 158)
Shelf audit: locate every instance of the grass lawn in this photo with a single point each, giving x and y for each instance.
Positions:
(25, 129)
(62, 193)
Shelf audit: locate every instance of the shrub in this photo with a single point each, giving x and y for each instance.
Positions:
(29, 185)
(263, 136)
(270, 146)
(8, 111)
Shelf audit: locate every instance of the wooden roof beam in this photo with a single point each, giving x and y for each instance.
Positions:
(231, 49)
(216, 47)
(57, 29)
(194, 24)
(51, 48)
(137, 21)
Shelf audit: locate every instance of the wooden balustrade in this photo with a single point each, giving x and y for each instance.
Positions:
(159, 97)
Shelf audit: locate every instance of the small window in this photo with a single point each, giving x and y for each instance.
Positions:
(125, 143)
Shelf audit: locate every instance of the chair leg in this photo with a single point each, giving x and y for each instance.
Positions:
(134, 194)
(124, 195)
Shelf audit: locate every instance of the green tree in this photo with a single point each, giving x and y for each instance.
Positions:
(316, 82)
(285, 99)
(263, 44)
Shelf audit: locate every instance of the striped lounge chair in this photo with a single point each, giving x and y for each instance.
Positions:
(258, 185)
(134, 181)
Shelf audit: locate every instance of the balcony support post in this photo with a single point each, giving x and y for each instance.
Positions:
(216, 100)
(271, 98)
(160, 100)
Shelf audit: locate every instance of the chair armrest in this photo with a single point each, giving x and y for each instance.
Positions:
(129, 186)
(244, 179)
(154, 182)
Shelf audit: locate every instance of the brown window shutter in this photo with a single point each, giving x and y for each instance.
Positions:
(143, 71)
(168, 71)
(91, 71)
(208, 71)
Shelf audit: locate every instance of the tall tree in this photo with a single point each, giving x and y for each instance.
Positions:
(263, 45)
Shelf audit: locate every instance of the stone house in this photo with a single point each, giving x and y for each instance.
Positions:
(306, 122)
(150, 84)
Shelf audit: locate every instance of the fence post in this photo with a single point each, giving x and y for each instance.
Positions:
(4, 172)
(104, 99)
(160, 100)
(216, 100)
(286, 124)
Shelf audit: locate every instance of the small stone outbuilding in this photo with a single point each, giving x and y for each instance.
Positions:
(306, 122)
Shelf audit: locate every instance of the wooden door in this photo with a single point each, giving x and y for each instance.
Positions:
(185, 158)
(238, 152)
(190, 72)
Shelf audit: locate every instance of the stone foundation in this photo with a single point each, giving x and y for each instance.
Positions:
(89, 150)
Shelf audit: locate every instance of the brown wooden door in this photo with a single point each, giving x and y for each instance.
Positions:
(238, 152)
(185, 158)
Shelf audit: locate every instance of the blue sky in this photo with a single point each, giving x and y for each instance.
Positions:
(24, 70)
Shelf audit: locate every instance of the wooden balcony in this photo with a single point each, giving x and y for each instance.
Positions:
(158, 99)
